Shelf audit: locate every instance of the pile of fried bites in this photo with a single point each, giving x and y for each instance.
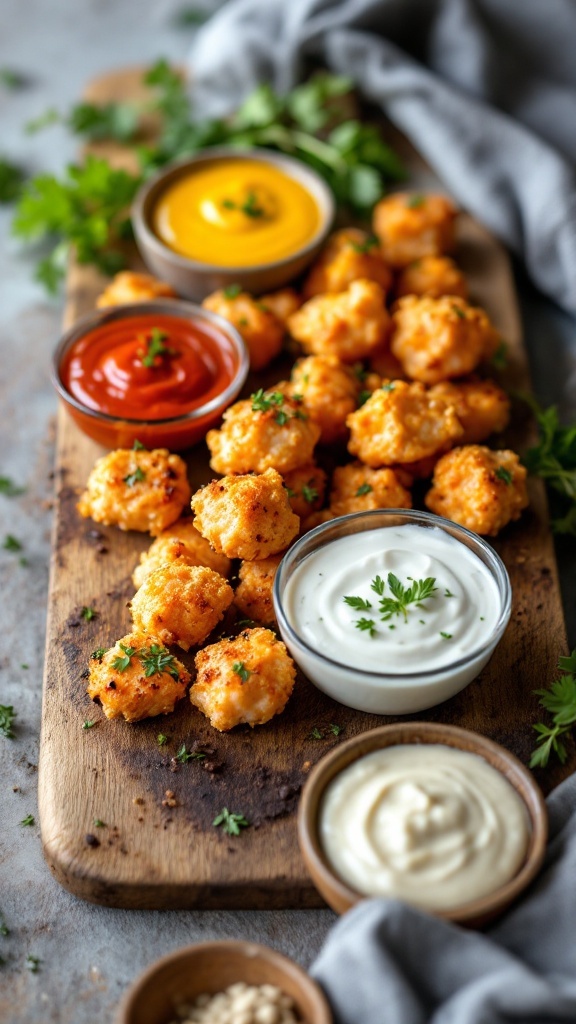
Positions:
(390, 348)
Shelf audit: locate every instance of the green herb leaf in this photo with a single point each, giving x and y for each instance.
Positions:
(88, 724)
(11, 543)
(445, 636)
(459, 311)
(9, 488)
(161, 739)
(389, 386)
(315, 734)
(309, 493)
(28, 820)
(363, 397)
(366, 625)
(155, 348)
(88, 613)
(402, 596)
(240, 669)
(121, 662)
(136, 477)
(553, 459)
(359, 604)
(231, 823)
(33, 963)
(262, 401)
(7, 716)
(500, 358)
(99, 824)
(336, 729)
(560, 701)
(504, 474)
(416, 200)
(138, 446)
(232, 291)
(11, 181)
(156, 660)
(98, 654)
(371, 242)
(448, 593)
(183, 755)
(364, 488)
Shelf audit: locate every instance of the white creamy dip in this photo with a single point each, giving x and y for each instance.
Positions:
(455, 620)
(429, 824)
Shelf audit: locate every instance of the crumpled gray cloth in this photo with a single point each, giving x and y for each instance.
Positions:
(387, 963)
(484, 89)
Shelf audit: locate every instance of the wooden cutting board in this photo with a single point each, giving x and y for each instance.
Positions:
(151, 854)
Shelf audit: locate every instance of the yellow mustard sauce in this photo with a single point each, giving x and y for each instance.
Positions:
(236, 213)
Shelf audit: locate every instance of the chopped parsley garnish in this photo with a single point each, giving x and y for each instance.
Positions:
(363, 397)
(11, 543)
(28, 820)
(155, 348)
(98, 654)
(88, 613)
(281, 417)
(364, 247)
(262, 402)
(183, 756)
(138, 446)
(240, 670)
(87, 724)
(459, 312)
(121, 662)
(136, 477)
(336, 729)
(4, 929)
(448, 593)
(309, 493)
(445, 636)
(9, 488)
(500, 358)
(156, 660)
(250, 207)
(98, 823)
(504, 474)
(232, 291)
(398, 604)
(315, 733)
(364, 488)
(389, 386)
(415, 200)
(366, 625)
(33, 963)
(231, 823)
(559, 700)
(161, 739)
(7, 716)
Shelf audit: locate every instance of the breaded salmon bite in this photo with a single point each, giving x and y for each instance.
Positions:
(402, 423)
(136, 490)
(180, 543)
(127, 286)
(253, 596)
(432, 275)
(247, 679)
(262, 331)
(349, 325)
(349, 255)
(282, 303)
(246, 516)
(181, 604)
(329, 390)
(357, 488)
(479, 488)
(306, 488)
(137, 678)
(268, 430)
(438, 339)
(482, 407)
(410, 225)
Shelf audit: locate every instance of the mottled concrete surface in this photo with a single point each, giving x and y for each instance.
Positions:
(89, 954)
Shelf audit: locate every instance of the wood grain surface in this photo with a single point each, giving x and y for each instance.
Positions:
(157, 856)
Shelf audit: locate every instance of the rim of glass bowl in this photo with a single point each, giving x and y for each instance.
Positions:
(186, 310)
(426, 519)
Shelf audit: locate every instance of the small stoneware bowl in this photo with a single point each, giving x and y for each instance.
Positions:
(474, 914)
(195, 279)
(210, 967)
(176, 432)
(387, 692)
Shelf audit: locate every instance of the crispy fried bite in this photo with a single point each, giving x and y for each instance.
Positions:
(137, 678)
(262, 331)
(410, 225)
(329, 391)
(180, 543)
(479, 488)
(384, 364)
(350, 254)
(437, 339)
(253, 596)
(181, 604)
(349, 324)
(482, 407)
(247, 516)
(136, 490)
(432, 275)
(128, 286)
(282, 304)
(247, 679)
(402, 423)
(268, 430)
(316, 519)
(357, 488)
(306, 488)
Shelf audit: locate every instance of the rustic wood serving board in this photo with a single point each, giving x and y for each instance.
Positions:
(154, 855)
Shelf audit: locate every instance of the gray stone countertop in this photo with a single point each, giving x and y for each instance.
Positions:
(88, 954)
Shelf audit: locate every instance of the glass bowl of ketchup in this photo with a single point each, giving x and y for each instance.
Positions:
(161, 373)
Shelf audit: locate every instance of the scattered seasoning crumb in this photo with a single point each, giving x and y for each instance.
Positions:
(169, 799)
(138, 800)
(306, 766)
(91, 840)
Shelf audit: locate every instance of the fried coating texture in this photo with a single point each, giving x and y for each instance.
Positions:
(151, 682)
(434, 276)
(246, 517)
(357, 488)
(410, 226)
(482, 407)
(180, 543)
(282, 303)
(306, 488)
(269, 430)
(181, 604)
(349, 255)
(262, 331)
(136, 490)
(479, 488)
(253, 596)
(349, 325)
(128, 286)
(402, 423)
(329, 390)
(437, 339)
(244, 680)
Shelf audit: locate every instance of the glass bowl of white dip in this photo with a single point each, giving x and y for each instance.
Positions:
(391, 611)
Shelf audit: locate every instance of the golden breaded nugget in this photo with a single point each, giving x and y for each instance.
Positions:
(437, 339)
(282, 304)
(432, 275)
(329, 391)
(411, 225)
(247, 679)
(128, 286)
(482, 407)
(357, 488)
(349, 324)
(136, 490)
(383, 364)
(268, 430)
(479, 488)
(350, 254)
(253, 596)
(306, 488)
(316, 519)
(180, 543)
(137, 678)
(261, 330)
(402, 423)
(181, 604)
(246, 517)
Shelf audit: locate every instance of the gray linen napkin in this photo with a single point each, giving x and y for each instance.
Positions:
(485, 89)
(387, 963)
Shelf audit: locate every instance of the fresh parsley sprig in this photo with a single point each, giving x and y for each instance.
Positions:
(560, 700)
(398, 604)
(7, 716)
(231, 823)
(553, 459)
